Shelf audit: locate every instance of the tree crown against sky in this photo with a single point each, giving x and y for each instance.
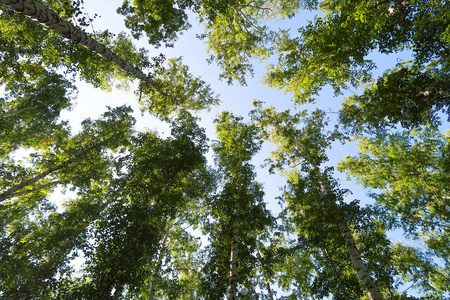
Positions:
(135, 195)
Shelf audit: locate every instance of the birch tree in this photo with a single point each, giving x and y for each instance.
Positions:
(37, 250)
(411, 171)
(236, 32)
(157, 180)
(40, 13)
(37, 239)
(109, 132)
(168, 86)
(334, 49)
(299, 153)
(30, 107)
(238, 214)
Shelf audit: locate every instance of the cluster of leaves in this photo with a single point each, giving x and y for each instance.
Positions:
(23, 40)
(238, 217)
(135, 194)
(128, 186)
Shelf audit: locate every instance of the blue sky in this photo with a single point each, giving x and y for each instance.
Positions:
(237, 99)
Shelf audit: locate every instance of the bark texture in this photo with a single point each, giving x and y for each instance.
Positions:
(232, 288)
(13, 191)
(355, 256)
(155, 274)
(44, 16)
(358, 264)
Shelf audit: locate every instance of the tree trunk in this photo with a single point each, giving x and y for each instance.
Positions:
(44, 16)
(157, 268)
(232, 288)
(361, 269)
(266, 279)
(11, 192)
(14, 112)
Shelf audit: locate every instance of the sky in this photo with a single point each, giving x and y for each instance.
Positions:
(91, 102)
(238, 99)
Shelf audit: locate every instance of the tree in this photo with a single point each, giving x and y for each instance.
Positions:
(235, 31)
(314, 198)
(37, 240)
(109, 132)
(39, 246)
(238, 214)
(185, 91)
(162, 21)
(24, 40)
(149, 186)
(30, 108)
(407, 95)
(197, 96)
(175, 271)
(419, 270)
(410, 169)
(53, 21)
(124, 230)
(333, 50)
(156, 181)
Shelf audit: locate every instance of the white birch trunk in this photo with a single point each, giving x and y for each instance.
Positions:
(266, 279)
(155, 275)
(44, 16)
(232, 288)
(361, 269)
(12, 192)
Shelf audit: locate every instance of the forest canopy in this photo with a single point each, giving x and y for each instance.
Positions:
(106, 209)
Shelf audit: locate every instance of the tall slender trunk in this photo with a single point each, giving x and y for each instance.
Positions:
(336, 273)
(266, 279)
(157, 268)
(48, 268)
(14, 112)
(44, 16)
(232, 288)
(361, 269)
(11, 192)
(355, 256)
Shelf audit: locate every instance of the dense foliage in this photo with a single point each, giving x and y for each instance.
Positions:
(110, 212)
